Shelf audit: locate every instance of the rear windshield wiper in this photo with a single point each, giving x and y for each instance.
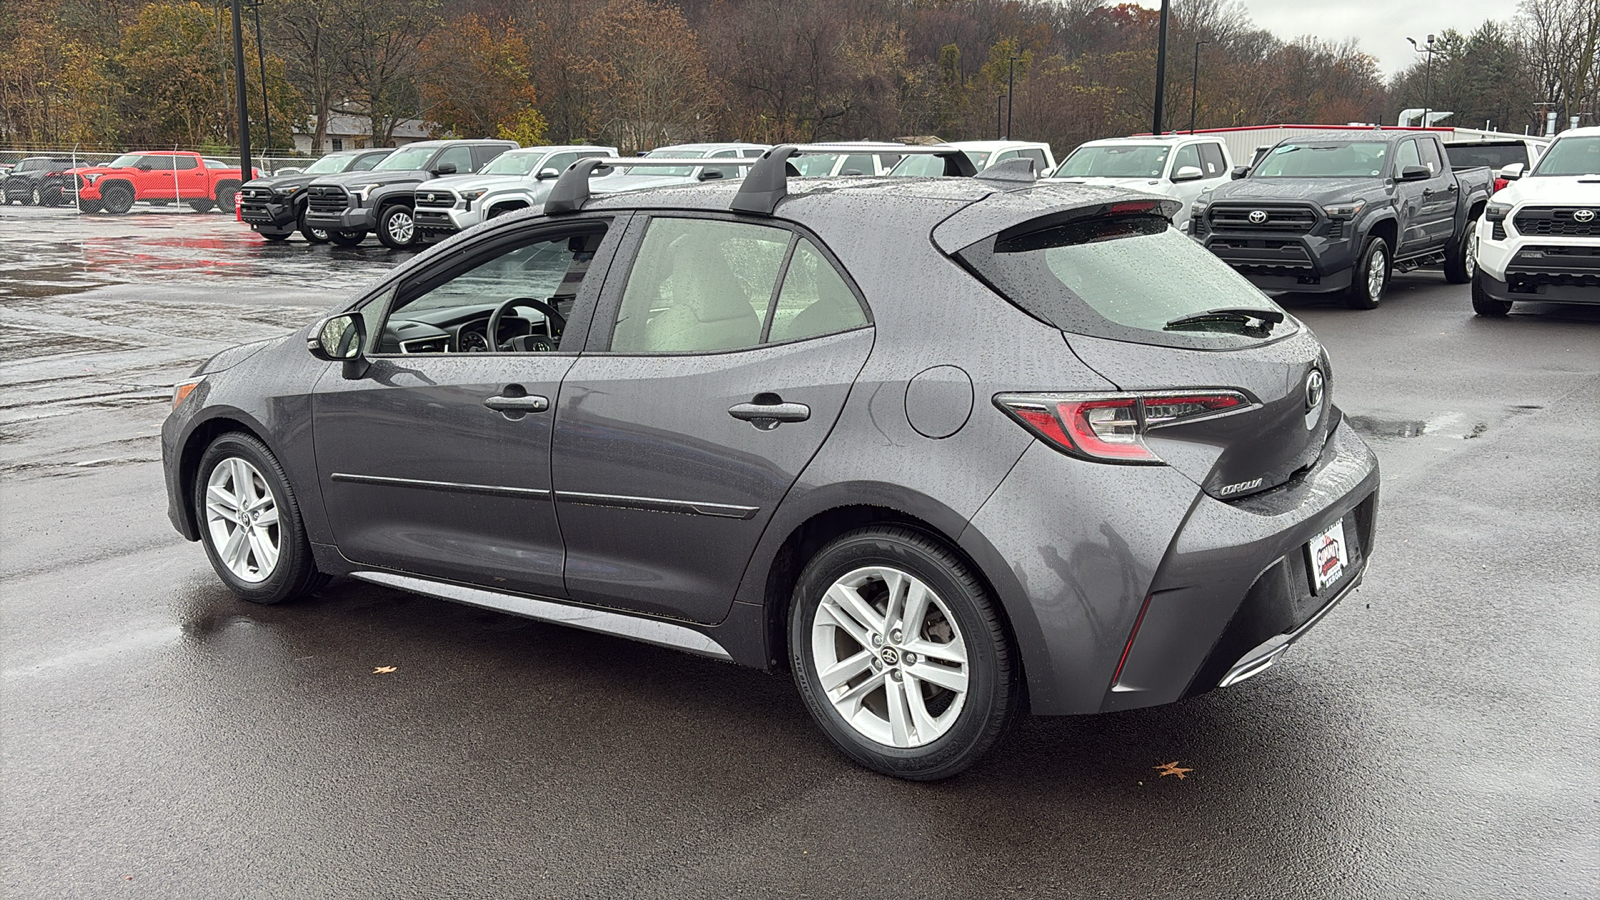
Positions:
(1240, 315)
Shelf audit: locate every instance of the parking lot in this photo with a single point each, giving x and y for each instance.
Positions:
(1434, 736)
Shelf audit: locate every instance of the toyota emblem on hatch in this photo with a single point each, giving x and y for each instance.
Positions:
(1314, 389)
(1258, 216)
(1583, 215)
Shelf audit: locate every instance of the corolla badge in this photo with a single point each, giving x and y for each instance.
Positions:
(1258, 216)
(1583, 215)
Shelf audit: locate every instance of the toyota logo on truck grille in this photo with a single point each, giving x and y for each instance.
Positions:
(1258, 216)
(1583, 215)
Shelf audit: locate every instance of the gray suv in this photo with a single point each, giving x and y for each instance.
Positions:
(948, 450)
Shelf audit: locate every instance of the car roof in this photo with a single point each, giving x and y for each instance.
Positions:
(1351, 136)
(1586, 131)
(1157, 139)
(713, 146)
(554, 148)
(992, 145)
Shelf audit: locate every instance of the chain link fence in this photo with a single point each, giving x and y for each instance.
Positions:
(38, 175)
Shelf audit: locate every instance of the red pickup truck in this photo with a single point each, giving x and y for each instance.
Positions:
(158, 177)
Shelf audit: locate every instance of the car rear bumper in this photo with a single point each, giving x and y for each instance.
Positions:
(1127, 587)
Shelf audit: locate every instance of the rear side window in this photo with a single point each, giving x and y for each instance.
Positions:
(186, 162)
(1128, 278)
(1211, 160)
(1430, 155)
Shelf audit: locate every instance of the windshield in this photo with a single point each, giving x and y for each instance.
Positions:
(1495, 156)
(1294, 160)
(513, 163)
(1115, 162)
(329, 165)
(405, 159)
(125, 161)
(1112, 277)
(933, 166)
(1568, 157)
(815, 165)
(667, 153)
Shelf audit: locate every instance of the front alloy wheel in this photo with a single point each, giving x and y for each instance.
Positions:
(901, 653)
(397, 230)
(250, 524)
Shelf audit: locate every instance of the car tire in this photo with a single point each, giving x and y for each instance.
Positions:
(1485, 305)
(347, 238)
(35, 197)
(250, 523)
(312, 235)
(1371, 276)
(225, 197)
(1461, 257)
(202, 206)
(117, 198)
(397, 227)
(275, 237)
(922, 706)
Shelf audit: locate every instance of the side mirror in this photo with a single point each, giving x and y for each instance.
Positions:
(1187, 173)
(1239, 172)
(547, 173)
(340, 339)
(1415, 173)
(444, 169)
(711, 174)
(1512, 172)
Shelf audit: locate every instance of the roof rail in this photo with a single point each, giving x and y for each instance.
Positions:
(768, 182)
(571, 190)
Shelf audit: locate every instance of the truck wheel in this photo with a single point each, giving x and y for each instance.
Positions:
(1485, 305)
(1371, 276)
(225, 195)
(314, 235)
(1461, 257)
(202, 206)
(275, 236)
(118, 198)
(347, 238)
(397, 229)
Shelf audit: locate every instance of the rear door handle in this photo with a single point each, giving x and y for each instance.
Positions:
(767, 416)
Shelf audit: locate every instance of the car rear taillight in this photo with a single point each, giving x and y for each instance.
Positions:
(1111, 427)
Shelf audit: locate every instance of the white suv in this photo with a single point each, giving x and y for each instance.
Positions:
(516, 179)
(1539, 238)
(1177, 166)
(984, 154)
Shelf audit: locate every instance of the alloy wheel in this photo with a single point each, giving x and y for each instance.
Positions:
(242, 519)
(890, 657)
(401, 227)
(1471, 261)
(1375, 275)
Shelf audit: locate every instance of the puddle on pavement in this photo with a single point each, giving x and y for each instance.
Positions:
(1372, 426)
(1445, 425)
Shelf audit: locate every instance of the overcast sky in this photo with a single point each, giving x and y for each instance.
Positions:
(1381, 26)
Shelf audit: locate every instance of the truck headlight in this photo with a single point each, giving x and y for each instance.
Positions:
(1497, 212)
(1347, 210)
(469, 196)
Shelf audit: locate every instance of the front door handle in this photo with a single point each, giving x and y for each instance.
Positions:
(769, 415)
(516, 406)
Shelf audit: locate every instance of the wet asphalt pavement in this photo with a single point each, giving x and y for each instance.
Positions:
(1435, 736)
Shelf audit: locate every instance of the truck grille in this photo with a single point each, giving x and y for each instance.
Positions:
(1265, 257)
(1557, 221)
(1535, 267)
(255, 194)
(1286, 219)
(327, 199)
(435, 199)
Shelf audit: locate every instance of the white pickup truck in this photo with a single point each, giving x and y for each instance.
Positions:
(1539, 238)
(1179, 166)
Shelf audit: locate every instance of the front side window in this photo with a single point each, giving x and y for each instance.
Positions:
(1188, 155)
(1407, 155)
(460, 157)
(368, 162)
(514, 163)
(527, 290)
(327, 165)
(1361, 159)
(406, 159)
(703, 286)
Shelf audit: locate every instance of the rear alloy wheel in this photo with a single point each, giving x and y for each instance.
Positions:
(250, 524)
(118, 198)
(314, 235)
(899, 653)
(202, 206)
(1461, 257)
(1371, 276)
(397, 229)
(1485, 305)
(347, 238)
(36, 196)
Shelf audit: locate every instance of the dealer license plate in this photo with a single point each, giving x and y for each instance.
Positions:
(1329, 555)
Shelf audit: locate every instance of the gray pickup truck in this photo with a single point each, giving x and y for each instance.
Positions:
(1338, 211)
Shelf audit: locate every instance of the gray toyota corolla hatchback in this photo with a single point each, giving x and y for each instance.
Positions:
(947, 449)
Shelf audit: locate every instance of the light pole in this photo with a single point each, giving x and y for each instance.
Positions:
(239, 94)
(1161, 70)
(1011, 86)
(1427, 77)
(997, 99)
(1194, 84)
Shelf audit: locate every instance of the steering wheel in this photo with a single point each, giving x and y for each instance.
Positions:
(554, 321)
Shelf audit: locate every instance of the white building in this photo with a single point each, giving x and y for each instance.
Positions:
(348, 132)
